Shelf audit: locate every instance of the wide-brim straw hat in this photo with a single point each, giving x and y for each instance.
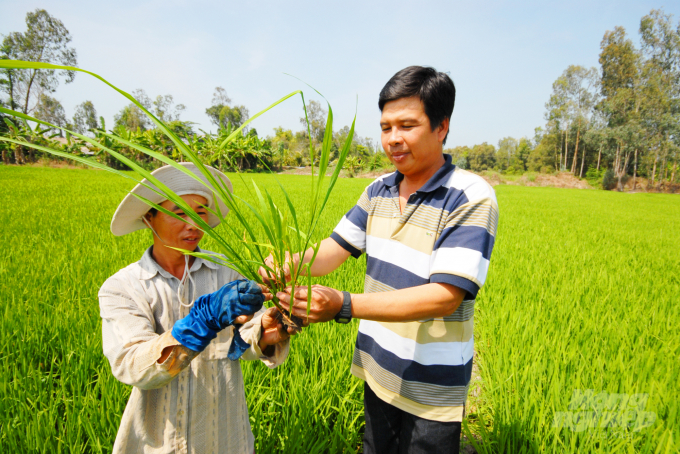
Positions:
(128, 215)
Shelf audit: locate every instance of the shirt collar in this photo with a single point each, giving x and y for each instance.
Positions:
(149, 267)
(440, 177)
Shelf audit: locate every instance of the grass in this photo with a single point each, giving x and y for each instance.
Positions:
(581, 295)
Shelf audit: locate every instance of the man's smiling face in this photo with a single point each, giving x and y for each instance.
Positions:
(407, 138)
(176, 233)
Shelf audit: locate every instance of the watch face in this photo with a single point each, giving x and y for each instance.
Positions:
(343, 320)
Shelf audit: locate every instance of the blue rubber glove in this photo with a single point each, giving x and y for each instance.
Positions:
(238, 346)
(215, 311)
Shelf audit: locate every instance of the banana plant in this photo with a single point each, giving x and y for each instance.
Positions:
(21, 129)
(353, 164)
(278, 230)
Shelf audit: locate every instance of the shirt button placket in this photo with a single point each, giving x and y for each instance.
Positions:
(182, 403)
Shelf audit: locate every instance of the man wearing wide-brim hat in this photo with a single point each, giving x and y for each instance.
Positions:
(174, 325)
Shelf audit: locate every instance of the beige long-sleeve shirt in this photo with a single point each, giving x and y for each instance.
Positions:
(190, 403)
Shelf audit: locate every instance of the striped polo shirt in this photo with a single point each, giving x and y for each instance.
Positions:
(445, 235)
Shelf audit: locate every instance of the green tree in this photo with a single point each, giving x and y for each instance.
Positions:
(621, 104)
(583, 88)
(597, 137)
(575, 94)
(222, 114)
(131, 117)
(9, 77)
(660, 91)
(317, 121)
(459, 156)
(543, 157)
(234, 116)
(165, 109)
(85, 117)
(339, 139)
(521, 158)
(505, 153)
(46, 40)
(181, 128)
(482, 157)
(557, 115)
(220, 100)
(50, 110)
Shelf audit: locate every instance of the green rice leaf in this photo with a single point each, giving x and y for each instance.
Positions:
(271, 106)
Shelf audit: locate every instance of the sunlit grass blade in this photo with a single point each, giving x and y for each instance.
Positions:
(250, 120)
(341, 161)
(325, 150)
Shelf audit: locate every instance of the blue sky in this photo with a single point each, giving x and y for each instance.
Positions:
(503, 56)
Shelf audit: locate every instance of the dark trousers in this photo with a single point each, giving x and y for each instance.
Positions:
(390, 430)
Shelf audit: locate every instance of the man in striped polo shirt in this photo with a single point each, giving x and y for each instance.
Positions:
(428, 230)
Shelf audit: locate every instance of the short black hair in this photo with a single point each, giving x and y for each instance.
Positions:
(435, 89)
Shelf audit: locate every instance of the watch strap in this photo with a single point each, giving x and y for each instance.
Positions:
(345, 314)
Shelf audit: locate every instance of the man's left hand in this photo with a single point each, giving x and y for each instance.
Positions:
(326, 303)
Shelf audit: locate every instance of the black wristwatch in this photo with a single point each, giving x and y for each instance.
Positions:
(345, 314)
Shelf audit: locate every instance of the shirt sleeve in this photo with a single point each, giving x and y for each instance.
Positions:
(350, 233)
(251, 332)
(462, 252)
(130, 342)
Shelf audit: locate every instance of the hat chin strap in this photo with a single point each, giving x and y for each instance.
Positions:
(186, 274)
(182, 283)
(152, 229)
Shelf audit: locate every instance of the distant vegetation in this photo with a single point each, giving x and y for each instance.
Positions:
(29, 91)
(617, 125)
(610, 124)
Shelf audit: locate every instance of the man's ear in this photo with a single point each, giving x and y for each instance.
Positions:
(443, 129)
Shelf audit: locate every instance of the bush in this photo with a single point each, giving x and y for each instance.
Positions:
(462, 163)
(376, 161)
(593, 174)
(482, 157)
(609, 180)
(513, 170)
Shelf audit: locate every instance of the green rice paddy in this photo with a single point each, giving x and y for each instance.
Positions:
(581, 295)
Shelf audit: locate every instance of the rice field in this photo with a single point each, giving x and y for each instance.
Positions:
(577, 327)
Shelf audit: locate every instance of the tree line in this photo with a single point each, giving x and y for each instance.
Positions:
(30, 91)
(615, 123)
